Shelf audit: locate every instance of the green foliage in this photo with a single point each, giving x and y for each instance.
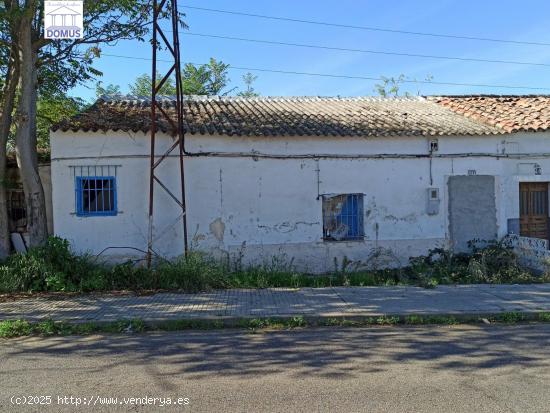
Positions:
(512, 317)
(192, 273)
(493, 263)
(14, 328)
(52, 267)
(62, 64)
(52, 109)
(430, 319)
(128, 276)
(297, 322)
(18, 328)
(107, 90)
(385, 320)
(207, 79)
(249, 80)
(143, 84)
(391, 86)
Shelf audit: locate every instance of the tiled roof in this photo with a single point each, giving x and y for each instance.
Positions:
(319, 116)
(510, 113)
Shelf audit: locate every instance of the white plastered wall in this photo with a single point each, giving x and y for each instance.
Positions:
(267, 205)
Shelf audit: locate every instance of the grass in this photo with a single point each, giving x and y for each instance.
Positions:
(434, 319)
(511, 317)
(21, 328)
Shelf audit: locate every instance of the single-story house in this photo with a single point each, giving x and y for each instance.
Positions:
(308, 180)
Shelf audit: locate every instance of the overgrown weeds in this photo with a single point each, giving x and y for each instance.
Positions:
(20, 328)
(493, 263)
(54, 267)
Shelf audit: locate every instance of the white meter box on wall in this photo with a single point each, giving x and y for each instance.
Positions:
(433, 201)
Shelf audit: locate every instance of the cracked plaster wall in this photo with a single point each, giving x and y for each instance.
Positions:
(272, 205)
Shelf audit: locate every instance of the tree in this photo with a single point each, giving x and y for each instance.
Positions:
(10, 80)
(51, 110)
(249, 79)
(207, 79)
(41, 67)
(142, 86)
(108, 90)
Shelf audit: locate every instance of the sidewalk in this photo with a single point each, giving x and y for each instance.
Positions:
(460, 300)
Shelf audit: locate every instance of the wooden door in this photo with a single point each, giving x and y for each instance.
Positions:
(533, 207)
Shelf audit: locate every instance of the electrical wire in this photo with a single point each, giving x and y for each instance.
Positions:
(369, 28)
(373, 78)
(378, 52)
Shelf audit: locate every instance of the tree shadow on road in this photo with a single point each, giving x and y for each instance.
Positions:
(341, 353)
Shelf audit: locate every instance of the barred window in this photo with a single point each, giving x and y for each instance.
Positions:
(96, 195)
(95, 190)
(343, 217)
(17, 210)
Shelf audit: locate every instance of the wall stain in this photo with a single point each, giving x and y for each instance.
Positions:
(217, 228)
(407, 218)
(197, 237)
(286, 227)
(221, 191)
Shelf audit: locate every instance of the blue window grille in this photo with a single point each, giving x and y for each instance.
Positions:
(343, 217)
(96, 196)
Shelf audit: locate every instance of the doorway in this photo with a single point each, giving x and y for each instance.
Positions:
(533, 209)
(472, 210)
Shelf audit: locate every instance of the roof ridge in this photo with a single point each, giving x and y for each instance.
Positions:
(113, 99)
(489, 95)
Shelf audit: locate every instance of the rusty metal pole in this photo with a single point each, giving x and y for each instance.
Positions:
(153, 132)
(166, 9)
(179, 103)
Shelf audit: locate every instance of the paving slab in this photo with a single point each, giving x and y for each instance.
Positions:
(285, 302)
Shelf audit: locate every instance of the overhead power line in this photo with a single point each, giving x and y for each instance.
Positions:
(290, 72)
(369, 28)
(378, 52)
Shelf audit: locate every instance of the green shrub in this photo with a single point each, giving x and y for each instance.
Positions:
(52, 267)
(192, 273)
(512, 317)
(128, 276)
(14, 328)
(493, 263)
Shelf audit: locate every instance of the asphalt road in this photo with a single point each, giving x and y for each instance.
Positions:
(391, 369)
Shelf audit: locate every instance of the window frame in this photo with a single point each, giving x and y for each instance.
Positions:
(15, 200)
(359, 217)
(79, 191)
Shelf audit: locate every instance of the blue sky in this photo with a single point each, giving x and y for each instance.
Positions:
(526, 20)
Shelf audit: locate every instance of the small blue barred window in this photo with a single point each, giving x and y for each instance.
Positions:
(343, 217)
(96, 196)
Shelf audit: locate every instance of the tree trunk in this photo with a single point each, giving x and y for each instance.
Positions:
(25, 137)
(8, 100)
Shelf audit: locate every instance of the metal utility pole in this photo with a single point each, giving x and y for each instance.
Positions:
(166, 10)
